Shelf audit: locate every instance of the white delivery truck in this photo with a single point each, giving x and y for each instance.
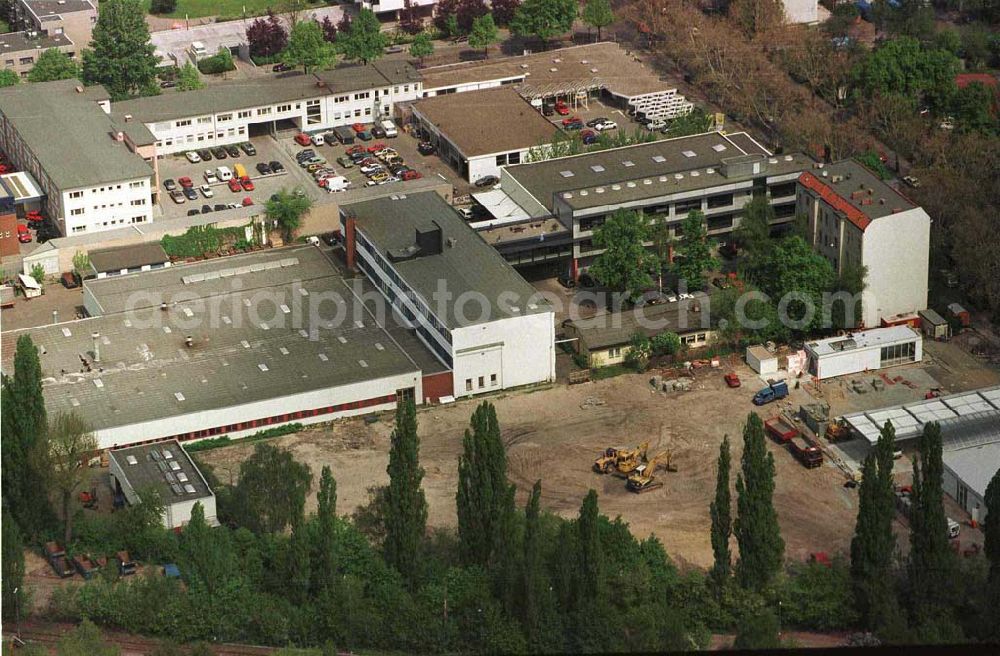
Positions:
(390, 129)
(337, 183)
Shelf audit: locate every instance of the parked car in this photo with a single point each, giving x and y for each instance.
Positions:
(369, 169)
(410, 174)
(732, 380)
(205, 154)
(248, 148)
(606, 125)
(246, 183)
(193, 212)
(185, 182)
(219, 152)
(169, 184)
(425, 148)
(561, 108)
(391, 50)
(232, 150)
(548, 110)
(190, 193)
(911, 181)
(167, 84)
(311, 161)
(364, 136)
(224, 173)
(302, 139)
(594, 121)
(206, 209)
(247, 201)
(206, 191)
(656, 125)
(378, 132)
(305, 154)
(358, 127)
(280, 68)
(572, 119)
(487, 181)
(575, 125)
(219, 207)
(589, 137)
(210, 177)
(23, 235)
(358, 148)
(177, 196)
(345, 162)
(375, 147)
(235, 186)
(276, 166)
(192, 157)
(317, 140)
(263, 168)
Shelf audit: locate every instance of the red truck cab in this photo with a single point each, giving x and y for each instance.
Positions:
(805, 452)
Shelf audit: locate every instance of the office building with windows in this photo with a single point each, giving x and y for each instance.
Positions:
(866, 350)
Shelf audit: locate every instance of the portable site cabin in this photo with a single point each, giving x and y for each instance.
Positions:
(934, 325)
(761, 360)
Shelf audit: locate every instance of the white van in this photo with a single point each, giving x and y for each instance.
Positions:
(224, 173)
(337, 183)
(953, 528)
(390, 129)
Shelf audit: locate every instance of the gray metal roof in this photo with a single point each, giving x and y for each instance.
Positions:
(976, 465)
(13, 42)
(48, 7)
(876, 198)
(164, 467)
(70, 134)
(356, 77)
(616, 328)
(660, 168)
(146, 372)
(466, 266)
(127, 257)
(965, 418)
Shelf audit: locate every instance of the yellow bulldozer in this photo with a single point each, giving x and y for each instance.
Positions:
(837, 430)
(619, 460)
(643, 479)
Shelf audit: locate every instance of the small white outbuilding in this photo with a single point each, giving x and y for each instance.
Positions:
(761, 360)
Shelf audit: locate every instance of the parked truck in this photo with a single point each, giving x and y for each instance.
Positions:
(780, 429)
(344, 134)
(805, 452)
(56, 556)
(772, 392)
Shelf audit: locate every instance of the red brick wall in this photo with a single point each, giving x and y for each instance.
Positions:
(438, 385)
(8, 235)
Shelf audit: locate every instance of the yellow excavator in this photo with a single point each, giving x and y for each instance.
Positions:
(643, 479)
(619, 460)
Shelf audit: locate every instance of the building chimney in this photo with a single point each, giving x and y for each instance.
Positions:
(128, 118)
(189, 341)
(163, 307)
(97, 346)
(79, 89)
(119, 136)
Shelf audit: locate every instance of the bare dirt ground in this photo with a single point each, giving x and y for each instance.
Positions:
(555, 435)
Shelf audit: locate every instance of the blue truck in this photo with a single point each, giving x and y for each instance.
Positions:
(772, 392)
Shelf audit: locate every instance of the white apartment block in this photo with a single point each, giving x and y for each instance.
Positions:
(113, 205)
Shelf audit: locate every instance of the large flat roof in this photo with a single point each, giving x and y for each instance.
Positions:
(464, 118)
(11, 42)
(240, 354)
(976, 465)
(127, 257)
(466, 266)
(596, 65)
(70, 134)
(863, 339)
(658, 168)
(856, 192)
(164, 467)
(49, 7)
(615, 328)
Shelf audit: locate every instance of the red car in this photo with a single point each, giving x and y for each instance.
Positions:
(303, 139)
(23, 235)
(34, 216)
(562, 109)
(185, 182)
(247, 201)
(355, 149)
(358, 127)
(375, 147)
(246, 183)
(572, 119)
(234, 185)
(411, 175)
(732, 379)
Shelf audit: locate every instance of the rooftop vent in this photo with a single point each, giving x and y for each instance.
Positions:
(245, 343)
(583, 192)
(98, 383)
(553, 70)
(167, 454)
(627, 163)
(262, 367)
(131, 460)
(182, 477)
(662, 178)
(363, 364)
(694, 174)
(323, 357)
(678, 176)
(788, 158)
(718, 148)
(597, 168)
(709, 171)
(174, 465)
(616, 187)
(599, 190)
(772, 160)
(189, 488)
(176, 489)
(659, 159)
(566, 174)
(178, 396)
(567, 195)
(689, 153)
(631, 185)
(283, 350)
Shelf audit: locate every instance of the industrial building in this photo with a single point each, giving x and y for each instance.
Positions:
(166, 470)
(479, 317)
(226, 346)
(122, 260)
(457, 126)
(867, 350)
(857, 220)
(96, 175)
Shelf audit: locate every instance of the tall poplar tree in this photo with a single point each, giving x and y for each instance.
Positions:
(120, 56)
(534, 586)
(756, 527)
(405, 504)
(324, 575)
(590, 561)
(722, 522)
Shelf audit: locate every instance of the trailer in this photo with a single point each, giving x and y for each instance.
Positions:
(56, 556)
(126, 566)
(87, 567)
(805, 452)
(780, 429)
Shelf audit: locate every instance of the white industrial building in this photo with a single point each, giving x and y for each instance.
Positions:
(230, 112)
(96, 174)
(856, 219)
(479, 316)
(166, 470)
(867, 350)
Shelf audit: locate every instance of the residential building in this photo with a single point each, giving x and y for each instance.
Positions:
(166, 469)
(479, 317)
(231, 112)
(857, 220)
(87, 164)
(867, 350)
(479, 132)
(20, 50)
(72, 19)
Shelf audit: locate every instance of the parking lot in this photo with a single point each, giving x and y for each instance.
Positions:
(596, 109)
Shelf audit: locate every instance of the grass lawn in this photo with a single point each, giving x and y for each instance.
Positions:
(4, 27)
(225, 8)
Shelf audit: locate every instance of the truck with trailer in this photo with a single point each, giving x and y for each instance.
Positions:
(773, 392)
(780, 429)
(805, 452)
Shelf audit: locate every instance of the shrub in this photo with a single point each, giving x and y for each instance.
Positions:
(225, 440)
(220, 62)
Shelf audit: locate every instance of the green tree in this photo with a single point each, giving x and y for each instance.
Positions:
(13, 567)
(163, 7)
(287, 208)
(206, 558)
(625, 263)
(845, 314)
(422, 46)
(697, 121)
(590, 563)
(791, 267)
(325, 574)
(991, 544)
(483, 490)
(405, 504)
(484, 34)
(665, 343)
(903, 66)
(598, 13)
(758, 630)
(9, 78)
(364, 40)
(722, 522)
(536, 611)
(544, 19)
(753, 233)
(298, 567)
(307, 47)
(85, 640)
(694, 253)
(53, 65)
(756, 526)
(873, 544)
(121, 57)
(81, 264)
(639, 350)
(188, 78)
(976, 45)
(68, 442)
(973, 107)
(271, 493)
(38, 273)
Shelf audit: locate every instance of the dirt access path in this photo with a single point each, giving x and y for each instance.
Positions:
(555, 435)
